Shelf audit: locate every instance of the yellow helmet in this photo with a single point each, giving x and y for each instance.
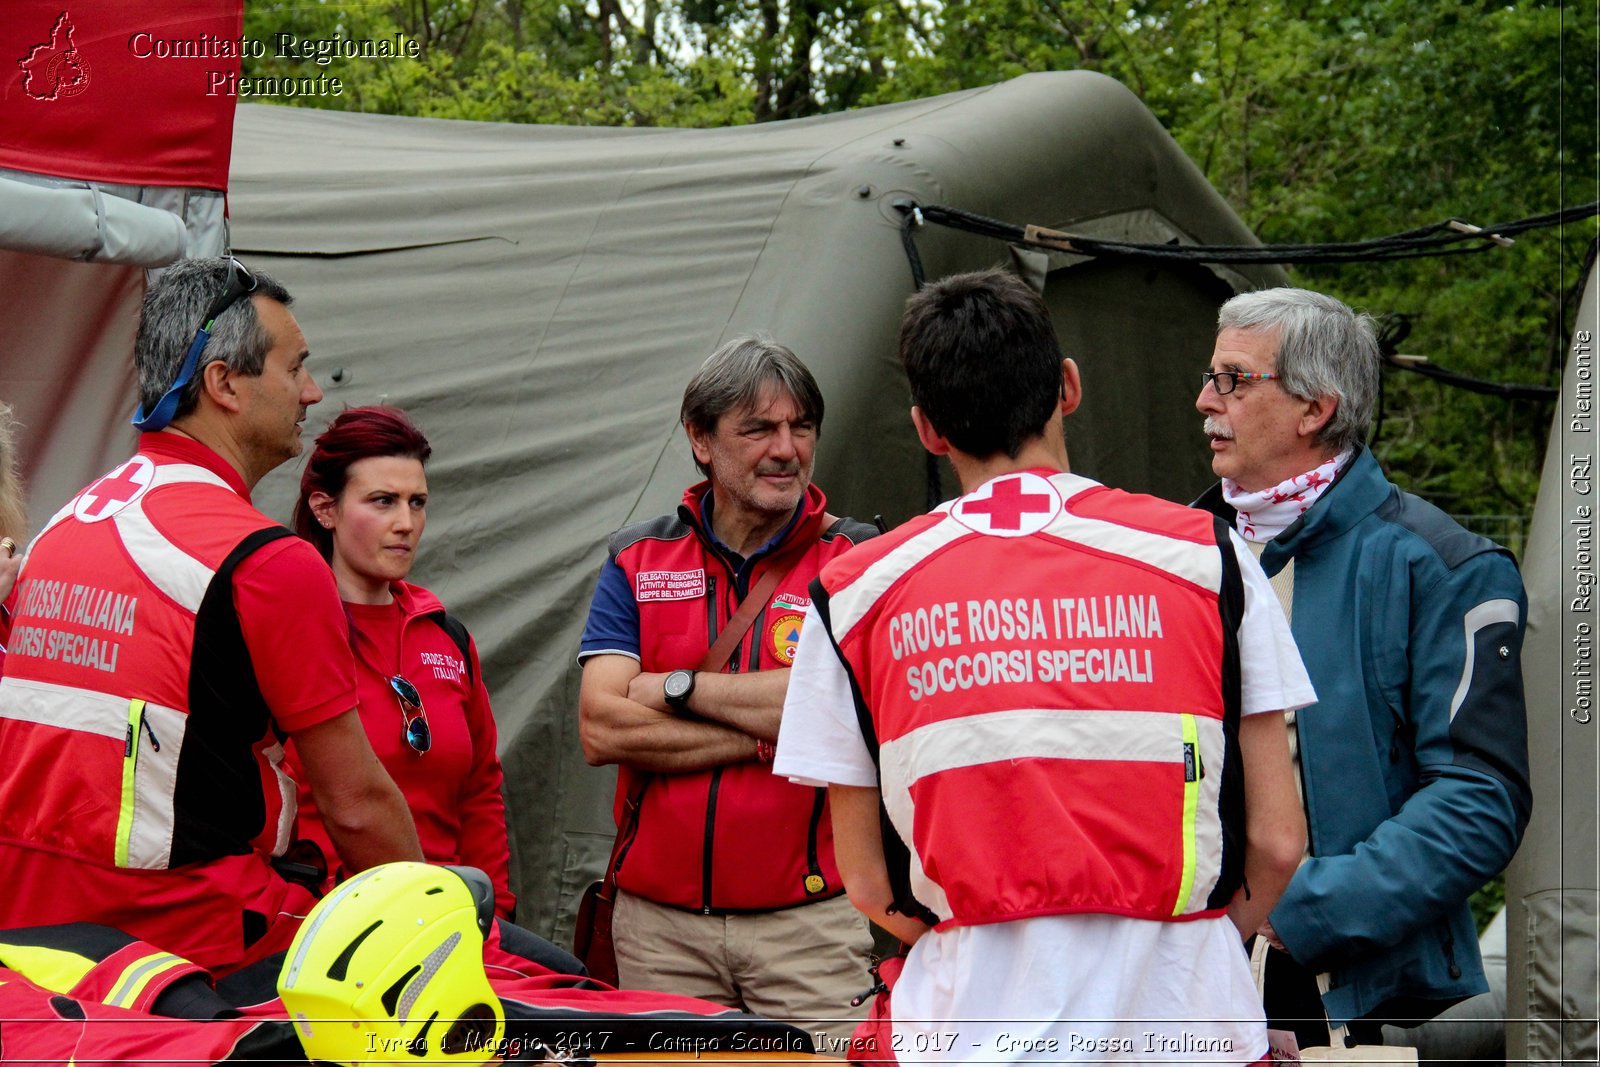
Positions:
(388, 968)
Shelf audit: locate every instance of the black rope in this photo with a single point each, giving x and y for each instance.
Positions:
(1505, 390)
(1397, 327)
(908, 226)
(1377, 420)
(908, 238)
(1452, 237)
(1393, 330)
(1449, 237)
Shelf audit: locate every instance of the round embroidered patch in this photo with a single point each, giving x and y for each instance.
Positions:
(784, 637)
(1013, 505)
(115, 491)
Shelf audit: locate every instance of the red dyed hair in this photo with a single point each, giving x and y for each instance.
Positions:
(354, 434)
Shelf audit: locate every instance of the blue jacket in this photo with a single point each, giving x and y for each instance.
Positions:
(1414, 759)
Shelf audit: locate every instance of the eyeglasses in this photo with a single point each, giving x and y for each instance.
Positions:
(1226, 381)
(240, 283)
(414, 721)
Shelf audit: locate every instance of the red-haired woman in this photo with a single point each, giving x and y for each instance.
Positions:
(419, 688)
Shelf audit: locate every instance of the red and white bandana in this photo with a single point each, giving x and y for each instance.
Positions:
(1265, 514)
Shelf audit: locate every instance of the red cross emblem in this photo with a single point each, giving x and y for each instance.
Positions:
(1014, 506)
(115, 491)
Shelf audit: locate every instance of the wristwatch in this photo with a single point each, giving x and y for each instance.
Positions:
(678, 687)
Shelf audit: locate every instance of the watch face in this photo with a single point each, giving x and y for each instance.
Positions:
(678, 684)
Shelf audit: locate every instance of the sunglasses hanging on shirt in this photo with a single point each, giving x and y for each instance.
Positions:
(414, 720)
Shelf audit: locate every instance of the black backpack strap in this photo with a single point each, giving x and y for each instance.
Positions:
(463, 640)
(896, 856)
(1230, 610)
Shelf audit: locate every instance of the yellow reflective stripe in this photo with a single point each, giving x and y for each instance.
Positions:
(55, 969)
(138, 975)
(130, 766)
(1191, 807)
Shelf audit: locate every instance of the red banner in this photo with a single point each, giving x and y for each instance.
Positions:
(112, 91)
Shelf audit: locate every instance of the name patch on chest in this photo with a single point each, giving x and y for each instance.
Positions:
(450, 668)
(669, 585)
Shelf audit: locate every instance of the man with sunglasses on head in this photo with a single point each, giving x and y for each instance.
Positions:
(1413, 762)
(168, 638)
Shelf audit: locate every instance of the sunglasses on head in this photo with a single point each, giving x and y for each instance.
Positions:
(413, 720)
(240, 283)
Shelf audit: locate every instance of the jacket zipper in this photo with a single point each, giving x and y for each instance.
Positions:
(707, 853)
(711, 826)
(1191, 798)
(755, 638)
(137, 724)
(714, 610)
(711, 615)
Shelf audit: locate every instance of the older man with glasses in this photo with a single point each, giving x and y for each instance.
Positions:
(167, 638)
(1413, 762)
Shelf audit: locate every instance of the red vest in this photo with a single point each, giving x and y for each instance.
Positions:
(1052, 672)
(133, 730)
(736, 837)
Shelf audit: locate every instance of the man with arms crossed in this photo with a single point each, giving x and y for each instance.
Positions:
(728, 888)
(1076, 699)
(1414, 762)
(168, 637)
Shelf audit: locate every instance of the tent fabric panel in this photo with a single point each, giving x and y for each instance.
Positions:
(1141, 336)
(1559, 936)
(1553, 883)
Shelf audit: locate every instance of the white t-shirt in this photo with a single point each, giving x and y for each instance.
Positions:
(1140, 991)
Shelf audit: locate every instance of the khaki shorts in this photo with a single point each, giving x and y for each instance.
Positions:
(800, 965)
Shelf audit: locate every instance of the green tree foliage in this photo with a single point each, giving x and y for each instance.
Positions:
(513, 61)
(1319, 122)
(1327, 122)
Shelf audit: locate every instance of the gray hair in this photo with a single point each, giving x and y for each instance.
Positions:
(171, 315)
(1324, 348)
(735, 375)
(13, 514)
